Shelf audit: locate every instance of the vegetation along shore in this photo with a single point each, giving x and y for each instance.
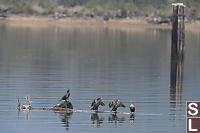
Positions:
(106, 9)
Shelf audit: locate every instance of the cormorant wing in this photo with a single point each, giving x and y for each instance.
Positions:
(62, 98)
(93, 103)
(121, 104)
(67, 96)
(102, 104)
(99, 99)
(110, 104)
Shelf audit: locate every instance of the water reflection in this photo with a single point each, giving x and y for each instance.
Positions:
(27, 112)
(65, 116)
(176, 76)
(96, 119)
(176, 79)
(100, 63)
(113, 118)
(131, 119)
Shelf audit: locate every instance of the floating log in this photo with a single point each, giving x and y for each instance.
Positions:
(65, 106)
(67, 110)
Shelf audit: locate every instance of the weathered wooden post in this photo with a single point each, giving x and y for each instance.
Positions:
(178, 28)
(177, 51)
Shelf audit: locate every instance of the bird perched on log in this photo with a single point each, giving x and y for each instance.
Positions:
(95, 105)
(132, 108)
(116, 105)
(66, 96)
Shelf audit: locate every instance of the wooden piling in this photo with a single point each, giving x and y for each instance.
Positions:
(178, 29)
(177, 51)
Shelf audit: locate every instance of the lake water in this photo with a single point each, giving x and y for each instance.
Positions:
(94, 62)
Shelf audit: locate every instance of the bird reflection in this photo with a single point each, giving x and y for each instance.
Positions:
(28, 113)
(65, 116)
(132, 118)
(95, 119)
(115, 119)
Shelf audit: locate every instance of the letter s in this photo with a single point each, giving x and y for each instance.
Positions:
(193, 108)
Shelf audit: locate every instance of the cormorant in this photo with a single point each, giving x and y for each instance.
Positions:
(132, 108)
(66, 96)
(95, 105)
(115, 105)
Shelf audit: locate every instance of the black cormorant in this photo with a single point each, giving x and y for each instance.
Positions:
(132, 108)
(66, 96)
(115, 105)
(95, 105)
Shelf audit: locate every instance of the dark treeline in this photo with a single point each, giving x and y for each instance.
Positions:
(95, 8)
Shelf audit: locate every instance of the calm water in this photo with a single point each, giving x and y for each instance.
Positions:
(130, 66)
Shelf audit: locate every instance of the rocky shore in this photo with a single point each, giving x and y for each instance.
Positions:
(127, 24)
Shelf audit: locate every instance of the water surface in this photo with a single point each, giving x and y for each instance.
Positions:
(94, 62)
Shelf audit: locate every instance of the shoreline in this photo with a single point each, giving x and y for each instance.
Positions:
(128, 24)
